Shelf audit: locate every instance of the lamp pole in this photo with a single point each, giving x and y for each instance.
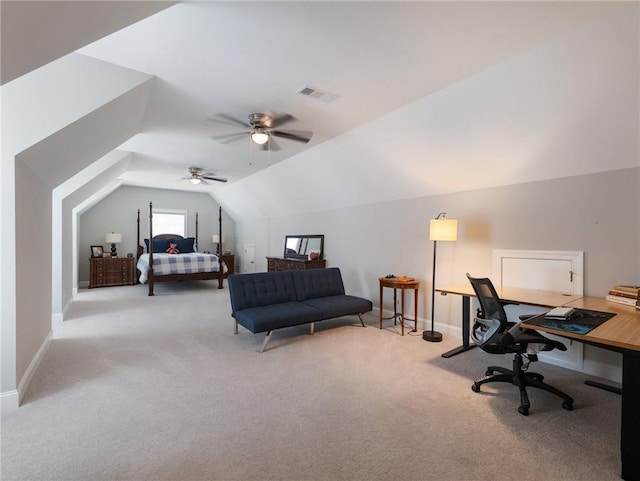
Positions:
(440, 229)
(433, 335)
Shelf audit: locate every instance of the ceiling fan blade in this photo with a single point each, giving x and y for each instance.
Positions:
(226, 138)
(281, 120)
(227, 119)
(217, 179)
(297, 135)
(272, 145)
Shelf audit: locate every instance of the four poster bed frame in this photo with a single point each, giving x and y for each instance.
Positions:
(152, 279)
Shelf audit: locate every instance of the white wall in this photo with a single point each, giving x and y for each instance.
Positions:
(594, 213)
(33, 255)
(118, 213)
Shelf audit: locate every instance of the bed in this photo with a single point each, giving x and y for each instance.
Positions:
(156, 265)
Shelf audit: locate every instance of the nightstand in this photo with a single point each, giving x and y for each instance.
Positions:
(229, 260)
(111, 271)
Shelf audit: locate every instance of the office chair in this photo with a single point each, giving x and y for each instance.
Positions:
(495, 334)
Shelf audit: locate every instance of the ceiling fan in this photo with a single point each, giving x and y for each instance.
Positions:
(198, 176)
(261, 128)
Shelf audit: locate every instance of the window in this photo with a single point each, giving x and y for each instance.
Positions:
(169, 222)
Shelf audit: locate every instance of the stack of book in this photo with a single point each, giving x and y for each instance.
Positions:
(628, 295)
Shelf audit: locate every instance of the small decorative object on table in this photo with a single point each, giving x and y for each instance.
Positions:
(96, 251)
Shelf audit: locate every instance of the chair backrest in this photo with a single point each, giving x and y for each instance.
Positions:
(488, 328)
(488, 298)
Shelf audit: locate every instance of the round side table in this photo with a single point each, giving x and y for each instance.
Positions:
(403, 284)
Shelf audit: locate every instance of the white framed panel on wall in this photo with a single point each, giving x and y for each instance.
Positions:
(556, 271)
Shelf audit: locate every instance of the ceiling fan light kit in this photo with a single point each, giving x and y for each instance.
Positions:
(260, 136)
(199, 176)
(262, 128)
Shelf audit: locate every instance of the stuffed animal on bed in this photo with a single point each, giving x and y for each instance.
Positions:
(173, 248)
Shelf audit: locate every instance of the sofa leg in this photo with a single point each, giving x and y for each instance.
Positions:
(361, 320)
(235, 327)
(311, 329)
(266, 340)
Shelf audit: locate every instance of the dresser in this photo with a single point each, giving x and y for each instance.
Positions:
(230, 261)
(289, 264)
(111, 271)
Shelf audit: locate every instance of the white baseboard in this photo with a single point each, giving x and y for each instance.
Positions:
(33, 367)
(57, 318)
(9, 401)
(424, 324)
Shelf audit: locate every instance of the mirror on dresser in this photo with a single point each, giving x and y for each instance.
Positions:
(302, 246)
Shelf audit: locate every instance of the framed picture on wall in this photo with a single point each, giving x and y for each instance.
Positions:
(96, 251)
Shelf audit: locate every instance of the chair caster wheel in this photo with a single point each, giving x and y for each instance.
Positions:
(475, 388)
(523, 410)
(567, 405)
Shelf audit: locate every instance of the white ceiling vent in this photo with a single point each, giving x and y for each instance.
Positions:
(317, 94)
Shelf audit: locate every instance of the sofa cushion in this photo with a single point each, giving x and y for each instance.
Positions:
(336, 306)
(314, 283)
(275, 316)
(260, 289)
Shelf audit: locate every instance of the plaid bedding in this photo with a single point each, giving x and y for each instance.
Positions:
(164, 264)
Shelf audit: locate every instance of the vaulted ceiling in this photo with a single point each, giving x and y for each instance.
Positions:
(173, 65)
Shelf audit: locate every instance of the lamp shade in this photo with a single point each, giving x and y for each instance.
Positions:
(443, 229)
(215, 238)
(112, 238)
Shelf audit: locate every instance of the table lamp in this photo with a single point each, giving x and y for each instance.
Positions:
(113, 239)
(216, 240)
(440, 229)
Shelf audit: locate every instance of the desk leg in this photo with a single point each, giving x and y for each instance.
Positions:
(603, 386)
(466, 313)
(630, 432)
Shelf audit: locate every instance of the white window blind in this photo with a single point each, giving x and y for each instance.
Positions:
(169, 223)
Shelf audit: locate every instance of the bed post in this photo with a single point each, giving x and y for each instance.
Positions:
(220, 268)
(197, 241)
(150, 274)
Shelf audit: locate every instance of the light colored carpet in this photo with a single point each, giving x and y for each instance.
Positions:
(159, 388)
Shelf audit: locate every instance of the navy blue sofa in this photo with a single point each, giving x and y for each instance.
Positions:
(265, 301)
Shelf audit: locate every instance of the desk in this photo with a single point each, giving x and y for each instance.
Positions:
(395, 283)
(621, 334)
(511, 295)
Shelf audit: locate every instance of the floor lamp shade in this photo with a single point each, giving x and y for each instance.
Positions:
(443, 229)
(440, 229)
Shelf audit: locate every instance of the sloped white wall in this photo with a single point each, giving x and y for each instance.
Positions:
(81, 188)
(38, 143)
(35, 33)
(565, 108)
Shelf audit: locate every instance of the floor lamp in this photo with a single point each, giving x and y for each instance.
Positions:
(440, 229)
